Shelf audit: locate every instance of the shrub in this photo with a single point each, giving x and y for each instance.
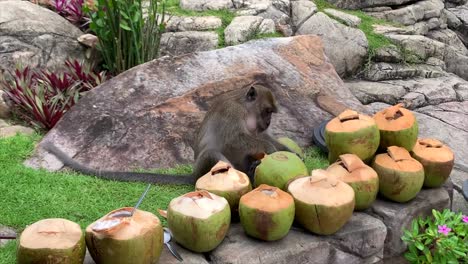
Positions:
(41, 97)
(129, 34)
(72, 10)
(438, 239)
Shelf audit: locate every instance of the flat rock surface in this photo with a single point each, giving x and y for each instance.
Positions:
(178, 43)
(6, 231)
(147, 117)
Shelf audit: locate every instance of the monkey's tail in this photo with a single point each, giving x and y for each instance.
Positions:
(119, 175)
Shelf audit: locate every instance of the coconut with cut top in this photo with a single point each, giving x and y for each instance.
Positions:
(199, 220)
(266, 213)
(278, 168)
(54, 240)
(362, 178)
(352, 133)
(398, 127)
(323, 203)
(119, 237)
(225, 181)
(400, 176)
(292, 145)
(437, 160)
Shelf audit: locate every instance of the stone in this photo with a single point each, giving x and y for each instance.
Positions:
(398, 217)
(6, 231)
(456, 62)
(459, 204)
(432, 61)
(5, 107)
(267, 26)
(421, 46)
(301, 11)
(386, 29)
(390, 53)
(360, 240)
(282, 20)
(370, 92)
(187, 23)
(462, 92)
(10, 131)
(345, 46)
(448, 37)
(33, 35)
(453, 21)
(413, 100)
(389, 71)
(461, 13)
(3, 123)
(377, 9)
(164, 101)
(458, 176)
(359, 4)
(202, 5)
(445, 112)
(242, 29)
(178, 43)
(348, 19)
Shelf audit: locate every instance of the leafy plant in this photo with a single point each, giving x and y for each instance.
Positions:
(442, 238)
(42, 97)
(72, 10)
(129, 33)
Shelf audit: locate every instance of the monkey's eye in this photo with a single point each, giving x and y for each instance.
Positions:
(268, 110)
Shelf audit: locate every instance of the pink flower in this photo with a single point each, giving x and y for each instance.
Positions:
(443, 229)
(465, 218)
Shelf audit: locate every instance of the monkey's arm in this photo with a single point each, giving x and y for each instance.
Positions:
(119, 175)
(278, 146)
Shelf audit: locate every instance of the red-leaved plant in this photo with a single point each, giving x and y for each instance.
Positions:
(72, 10)
(42, 97)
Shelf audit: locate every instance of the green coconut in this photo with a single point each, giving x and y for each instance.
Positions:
(400, 176)
(352, 133)
(120, 238)
(227, 182)
(278, 168)
(199, 220)
(437, 160)
(51, 241)
(398, 127)
(362, 178)
(323, 203)
(292, 145)
(266, 213)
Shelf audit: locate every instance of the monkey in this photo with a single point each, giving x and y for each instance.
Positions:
(233, 130)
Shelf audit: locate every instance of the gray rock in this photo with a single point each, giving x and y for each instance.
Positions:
(301, 11)
(386, 29)
(6, 231)
(201, 5)
(36, 36)
(456, 62)
(282, 20)
(360, 240)
(462, 30)
(450, 38)
(359, 4)
(436, 62)
(13, 130)
(453, 21)
(349, 20)
(398, 217)
(267, 26)
(389, 71)
(459, 204)
(175, 23)
(377, 9)
(5, 107)
(346, 47)
(413, 100)
(447, 111)
(178, 43)
(423, 27)
(458, 176)
(370, 92)
(3, 123)
(242, 29)
(421, 46)
(390, 53)
(164, 107)
(462, 92)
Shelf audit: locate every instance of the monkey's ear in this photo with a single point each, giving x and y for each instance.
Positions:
(251, 94)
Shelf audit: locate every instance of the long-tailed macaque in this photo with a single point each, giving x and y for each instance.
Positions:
(233, 130)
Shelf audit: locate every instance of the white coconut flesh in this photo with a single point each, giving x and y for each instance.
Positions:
(199, 204)
(120, 226)
(350, 168)
(321, 189)
(222, 177)
(433, 150)
(398, 158)
(267, 198)
(349, 121)
(54, 233)
(394, 118)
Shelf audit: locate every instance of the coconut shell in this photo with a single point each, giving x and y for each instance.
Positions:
(437, 160)
(398, 127)
(292, 145)
(199, 220)
(323, 203)
(51, 241)
(227, 182)
(400, 176)
(352, 133)
(267, 213)
(362, 178)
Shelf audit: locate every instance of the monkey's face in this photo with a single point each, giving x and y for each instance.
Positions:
(261, 105)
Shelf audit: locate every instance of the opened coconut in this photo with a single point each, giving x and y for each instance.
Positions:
(400, 176)
(352, 133)
(437, 160)
(362, 178)
(278, 168)
(119, 237)
(225, 181)
(266, 213)
(54, 240)
(292, 145)
(199, 220)
(323, 203)
(398, 127)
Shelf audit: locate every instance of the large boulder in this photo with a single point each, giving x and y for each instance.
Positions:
(36, 36)
(147, 117)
